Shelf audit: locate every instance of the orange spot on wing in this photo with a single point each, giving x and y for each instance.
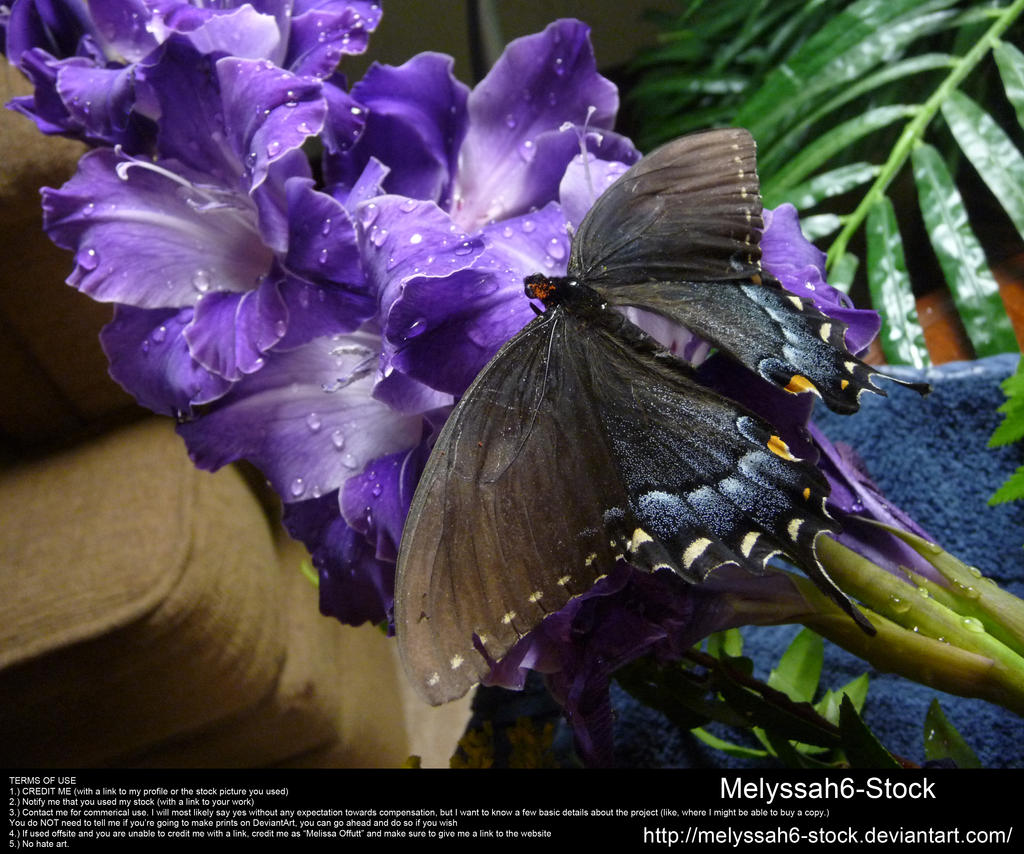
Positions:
(780, 448)
(799, 384)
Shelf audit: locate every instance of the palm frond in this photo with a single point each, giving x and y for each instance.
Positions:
(894, 126)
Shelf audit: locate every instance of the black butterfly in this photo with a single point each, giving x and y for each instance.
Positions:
(584, 442)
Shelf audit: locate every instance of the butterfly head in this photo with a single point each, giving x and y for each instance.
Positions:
(539, 286)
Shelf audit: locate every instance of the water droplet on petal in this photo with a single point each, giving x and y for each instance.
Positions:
(201, 281)
(972, 625)
(464, 248)
(297, 487)
(325, 229)
(555, 249)
(510, 121)
(528, 225)
(273, 148)
(89, 259)
(338, 439)
(314, 422)
(417, 327)
(322, 257)
(350, 461)
(416, 238)
(159, 334)
(377, 490)
(408, 206)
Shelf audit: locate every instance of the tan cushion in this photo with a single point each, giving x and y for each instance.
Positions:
(139, 598)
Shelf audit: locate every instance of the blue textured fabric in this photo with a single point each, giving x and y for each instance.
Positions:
(929, 456)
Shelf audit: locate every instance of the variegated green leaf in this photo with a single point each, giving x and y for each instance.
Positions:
(971, 283)
(991, 152)
(901, 337)
(1011, 69)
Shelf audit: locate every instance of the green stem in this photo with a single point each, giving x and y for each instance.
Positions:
(917, 637)
(915, 128)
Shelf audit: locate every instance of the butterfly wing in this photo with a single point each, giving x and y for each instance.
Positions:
(678, 234)
(690, 210)
(573, 449)
(506, 514)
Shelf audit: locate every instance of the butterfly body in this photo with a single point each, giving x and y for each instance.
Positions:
(584, 442)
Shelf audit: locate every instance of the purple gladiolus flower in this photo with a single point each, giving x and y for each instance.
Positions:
(227, 225)
(87, 58)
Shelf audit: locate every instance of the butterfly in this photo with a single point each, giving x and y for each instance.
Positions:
(585, 442)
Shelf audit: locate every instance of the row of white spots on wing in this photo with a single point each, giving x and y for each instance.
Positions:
(695, 550)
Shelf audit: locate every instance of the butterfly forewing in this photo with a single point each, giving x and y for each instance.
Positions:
(690, 210)
(507, 522)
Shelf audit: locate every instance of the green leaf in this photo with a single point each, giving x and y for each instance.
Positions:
(942, 741)
(826, 185)
(1011, 429)
(1012, 490)
(990, 151)
(901, 337)
(778, 151)
(856, 39)
(842, 273)
(799, 669)
(1011, 69)
(820, 225)
(856, 690)
(728, 747)
(971, 283)
(859, 743)
(828, 145)
(728, 643)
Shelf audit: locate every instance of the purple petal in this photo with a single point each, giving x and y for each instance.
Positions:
(322, 31)
(268, 112)
(53, 25)
(151, 361)
(123, 27)
(152, 238)
(355, 587)
(800, 267)
(322, 238)
(232, 118)
(100, 102)
(241, 32)
(376, 502)
(230, 333)
(402, 239)
(584, 180)
(346, 119)
(540, 83)
(45, 107)
(855, 497)
(442, 330)
(415, 123)
(307, 419)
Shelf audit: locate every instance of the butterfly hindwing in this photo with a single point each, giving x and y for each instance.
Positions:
(574, 449)
(782, 337)
(678, 234)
